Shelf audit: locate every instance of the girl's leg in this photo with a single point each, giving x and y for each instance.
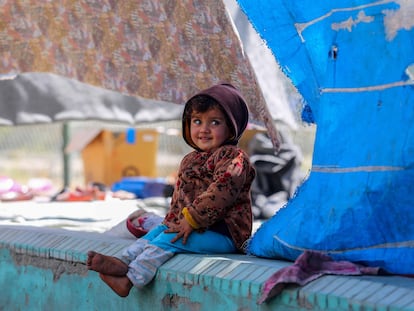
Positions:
(143, 269)
(132, 251)
(120, 285)
(106, 264)
(208, 242)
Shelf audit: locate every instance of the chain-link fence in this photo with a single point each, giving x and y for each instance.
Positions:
(36, 151)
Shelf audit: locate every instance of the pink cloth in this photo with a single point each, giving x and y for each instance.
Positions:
(308, 267)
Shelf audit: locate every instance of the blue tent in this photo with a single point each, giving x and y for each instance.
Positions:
(353, 63)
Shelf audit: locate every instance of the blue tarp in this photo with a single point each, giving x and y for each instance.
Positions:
(353, 63)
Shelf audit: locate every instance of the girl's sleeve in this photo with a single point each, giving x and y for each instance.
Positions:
(231, 169)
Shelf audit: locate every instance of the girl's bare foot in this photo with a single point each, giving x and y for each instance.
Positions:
(119, 284)
(106, 264)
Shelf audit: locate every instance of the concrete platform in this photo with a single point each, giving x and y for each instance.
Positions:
(44, 269)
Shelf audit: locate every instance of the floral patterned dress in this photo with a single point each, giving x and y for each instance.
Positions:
(215, 188)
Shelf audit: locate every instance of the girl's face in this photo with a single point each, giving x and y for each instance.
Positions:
(209, 129)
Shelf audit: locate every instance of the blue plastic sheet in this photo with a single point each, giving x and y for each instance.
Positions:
(352, 61)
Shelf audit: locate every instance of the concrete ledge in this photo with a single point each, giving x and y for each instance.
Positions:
(44, 269)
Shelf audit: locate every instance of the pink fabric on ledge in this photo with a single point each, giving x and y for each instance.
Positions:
(309, 266)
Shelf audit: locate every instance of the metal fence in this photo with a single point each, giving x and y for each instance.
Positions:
(36, 151)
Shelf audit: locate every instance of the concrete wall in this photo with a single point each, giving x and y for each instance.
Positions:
(44, 269)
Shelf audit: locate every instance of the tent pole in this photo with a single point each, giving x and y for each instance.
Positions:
(66, 156)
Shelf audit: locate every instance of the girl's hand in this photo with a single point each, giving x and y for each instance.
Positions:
(183, 229)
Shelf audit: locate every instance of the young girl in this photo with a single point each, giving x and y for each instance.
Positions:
(210, 209)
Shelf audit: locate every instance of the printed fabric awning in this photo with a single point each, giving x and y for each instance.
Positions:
(158, 50)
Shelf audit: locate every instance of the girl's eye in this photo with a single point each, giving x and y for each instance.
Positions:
(196, 121)
(215, 122)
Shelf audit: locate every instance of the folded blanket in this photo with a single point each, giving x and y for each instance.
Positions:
(309, 266)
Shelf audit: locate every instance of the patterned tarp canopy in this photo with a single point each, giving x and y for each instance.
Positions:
(161, 50)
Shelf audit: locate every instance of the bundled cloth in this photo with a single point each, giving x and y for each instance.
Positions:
(308, 267)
